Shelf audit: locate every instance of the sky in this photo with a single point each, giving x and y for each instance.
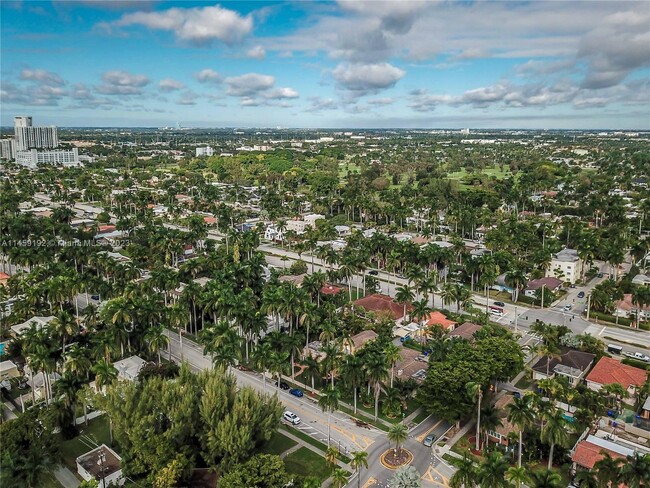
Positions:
(345, 64)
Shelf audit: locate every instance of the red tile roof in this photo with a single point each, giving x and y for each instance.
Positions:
(330, 289)
(383, 303)
(209, 220)
(106, 228)
(587, 454)
(608, 371)
(438, 318)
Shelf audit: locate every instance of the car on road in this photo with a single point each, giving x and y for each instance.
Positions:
(500, 304)
(567, 308)
(291, 417)
(94, 297)
(641, 357)
(581, 294)
(599, 275)
(428, 440)
(283, 385)
(297, 392)
(373, 272)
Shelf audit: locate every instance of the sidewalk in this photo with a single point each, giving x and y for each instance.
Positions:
(66, 477)
(446, 449)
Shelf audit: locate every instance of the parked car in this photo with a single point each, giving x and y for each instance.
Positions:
(581, 294)
(283, 385)
(296, 392)
(94, 297)
(373, 272)
(291, 417)
(500, 304)
(599, 275)
(428, 440)
(405, 338)
(567, 308)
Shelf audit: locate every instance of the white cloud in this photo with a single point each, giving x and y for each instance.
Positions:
(281, 93)
(118, 82)
(42, 76)
(197, 25)
(248, 85)
(209, 76)
(257, 52)
(169, 84)
(362, 79)
(187, 98)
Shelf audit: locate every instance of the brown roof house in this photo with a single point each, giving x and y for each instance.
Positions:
(465, 331)
(357, 341)
(383, 304)
(549, 283)
(570, 363)
(500, 434)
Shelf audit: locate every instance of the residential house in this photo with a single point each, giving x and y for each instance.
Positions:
(19, 329)
(501, 285)
(641, 280)
(570, 363)
(500, 434)
(295, 279)
(548, 283)
(342, 230)
(627, 308)
(383, 304)
(412, 364)
(439, 319)
(272, 233)
(589, 451)
(357, 341)
(329, 289)
(4, 279)
(101, 464)
(37, 382)
(310, 219)
(566, 265)
(8, 369)
(465, 331)
(129, 368)
(608, 371)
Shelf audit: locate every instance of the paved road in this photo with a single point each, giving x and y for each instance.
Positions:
(434, 471)
(344, 431)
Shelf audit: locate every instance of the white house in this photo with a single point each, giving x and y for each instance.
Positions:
(566, 265)
(101, 464)
(204, 151)
(342, 230)
(128, 369)
(272, 233)
(311, 219)
(20, 329)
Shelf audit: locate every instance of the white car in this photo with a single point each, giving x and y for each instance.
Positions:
(291, 417)
(567, 308)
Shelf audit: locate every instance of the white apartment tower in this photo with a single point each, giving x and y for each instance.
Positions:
(30, 137)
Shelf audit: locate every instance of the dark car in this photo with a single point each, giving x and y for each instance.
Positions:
(599, 275)
(373, 272)
(296, 392)
(581, 294)
(500, 304)
(283, 385)
(94, 297)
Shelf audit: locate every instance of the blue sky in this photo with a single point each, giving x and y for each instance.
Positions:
(400, 63)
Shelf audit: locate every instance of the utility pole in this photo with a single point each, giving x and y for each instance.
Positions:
(543, 285)
(516, 317)
(588, 305)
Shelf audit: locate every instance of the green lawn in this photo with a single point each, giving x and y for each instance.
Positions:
(278, 444)
(307, 463)
(420, 417)
(89, 437)
(49, 481)
(495, 171)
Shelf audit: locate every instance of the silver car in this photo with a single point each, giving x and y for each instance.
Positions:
(428, 440)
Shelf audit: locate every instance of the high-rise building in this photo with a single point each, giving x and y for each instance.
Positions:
(57, 157)
(30, 137)
(7, 149)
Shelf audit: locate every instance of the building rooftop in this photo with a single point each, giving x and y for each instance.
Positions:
(608, 371)
(19, 329)
(591, 450)
(550, 283)
(438, 318)
(360, 339)
(567, 255)
(466, 331)
(129, 368)
(571, 362)
(295, 279)
(102, 457)
(379, 303)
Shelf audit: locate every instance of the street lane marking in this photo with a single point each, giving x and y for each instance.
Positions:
(371, 481)
(353, 438)
(421, 437)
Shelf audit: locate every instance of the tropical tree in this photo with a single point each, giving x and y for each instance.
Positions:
(405, 477)
(521, 414)
(105, 374)
(545, 478)
(635, 473)
(329, 402)
(359, 459)
(554, 432)
(397, 433)
(517, 475)
(339, 477)
(474, 391)
(157, 340)
(492, 472)
(608, 469)
(466, 474)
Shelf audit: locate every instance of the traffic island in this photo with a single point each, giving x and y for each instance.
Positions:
(394, 458)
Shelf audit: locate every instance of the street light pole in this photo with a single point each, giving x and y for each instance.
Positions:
(588, 305)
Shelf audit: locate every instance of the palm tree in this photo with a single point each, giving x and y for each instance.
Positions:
(517, 475)
(329, 402)
(261, 359)
(474, 391)
(359, 460)
(554, 432)
(353, 375)
(545, 478)
(520, 413)
(331, 456)
(404, 295)
(608, 469)
(586, 479)
(392, 355)
(376, 369)
(277, 362)
(77, 361)
(339, 477)
(397, 433)
(466, 474)
(157, 340)
(492, 472)
(635, 473)
(105, 374)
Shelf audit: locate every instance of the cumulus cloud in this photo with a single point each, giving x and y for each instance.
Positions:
(169, 85)
(248, 85)
(118, 82)
(198, 25)
(257, 52)
(364, 79)
(209, 76)
(381, 101)
(319, 104)
(187, 98)
(41, 95)
(281, 93)
(42, 76)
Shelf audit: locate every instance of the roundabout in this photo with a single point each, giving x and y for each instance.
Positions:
(395, 458)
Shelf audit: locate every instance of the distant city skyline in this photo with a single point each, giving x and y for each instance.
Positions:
(352, 64)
